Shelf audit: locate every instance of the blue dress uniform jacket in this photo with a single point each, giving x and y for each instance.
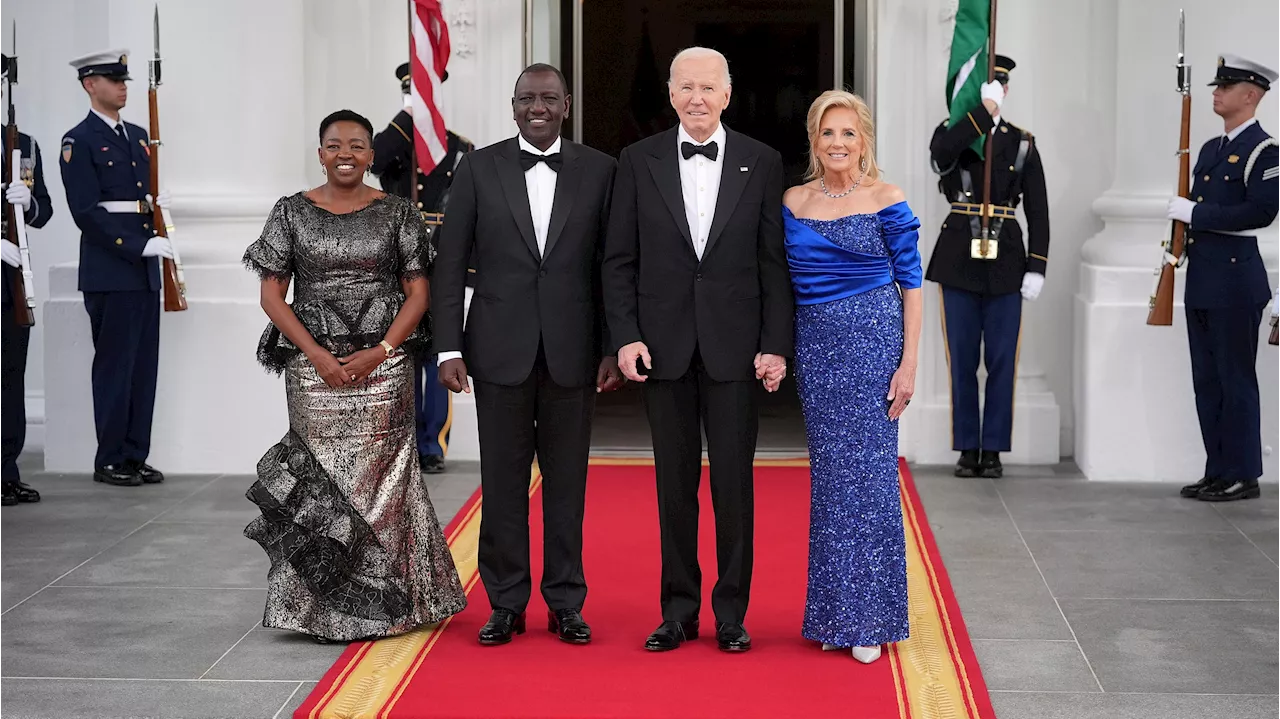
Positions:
(1225, 270)
(16, 340)
(98, 166)
(121, 287)
(1226, 294)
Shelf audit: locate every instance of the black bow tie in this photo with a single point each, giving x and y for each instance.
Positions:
(710, 150)
(528, 160)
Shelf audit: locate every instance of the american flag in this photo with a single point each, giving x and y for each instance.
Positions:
(429, 51)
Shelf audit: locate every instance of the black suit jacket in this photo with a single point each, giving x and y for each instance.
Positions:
(737, 300)
(951, 263)
(522, 299)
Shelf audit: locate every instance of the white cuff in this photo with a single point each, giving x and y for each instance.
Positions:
(443, 357)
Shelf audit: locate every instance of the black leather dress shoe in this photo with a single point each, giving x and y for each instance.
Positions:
(1228, 490)
(431, 463)
(989, 465)
(503, 624)
(732, 638)
(569, 626)
(18, 493)
(670, 635)
(117, 474)
(968, 464)
(1192, 490)
(147, 473)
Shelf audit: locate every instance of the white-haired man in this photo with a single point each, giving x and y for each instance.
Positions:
(703, 297)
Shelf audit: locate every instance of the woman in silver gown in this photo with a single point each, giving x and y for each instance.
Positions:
(356, 551)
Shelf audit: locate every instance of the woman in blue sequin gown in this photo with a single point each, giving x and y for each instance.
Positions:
(851, 246)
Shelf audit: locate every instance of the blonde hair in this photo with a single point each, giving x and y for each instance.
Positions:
(840, 99)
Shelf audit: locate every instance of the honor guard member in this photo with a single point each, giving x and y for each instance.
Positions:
(1234, 190)
(105, 171)
(982, 297)
(393, 164)
(28, 192)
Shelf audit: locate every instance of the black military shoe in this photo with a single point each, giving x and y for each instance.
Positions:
(670, 635)
(1227, 490)
(148, 474)
(25, 493)
(732, 638)
(989, 465)
(1191, 491)
(502, 625)
(968, 464)
(8, 495)
(117, 474)
(431, 463)
(569, 626)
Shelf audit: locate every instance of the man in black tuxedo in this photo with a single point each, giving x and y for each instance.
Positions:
(696, 285)
(534, 209)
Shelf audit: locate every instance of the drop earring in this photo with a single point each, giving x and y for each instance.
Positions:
(324, 171)
(864, 164)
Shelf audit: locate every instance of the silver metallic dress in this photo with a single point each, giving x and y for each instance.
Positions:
(356, 550)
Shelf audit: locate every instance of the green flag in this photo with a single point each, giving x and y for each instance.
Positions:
(968, 67)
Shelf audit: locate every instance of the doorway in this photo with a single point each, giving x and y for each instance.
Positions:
(616, 55)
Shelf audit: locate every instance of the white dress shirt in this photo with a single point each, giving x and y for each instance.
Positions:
(111, 123)
(700, 185)
(540, 183)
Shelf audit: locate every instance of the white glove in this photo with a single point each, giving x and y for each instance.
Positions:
(1275, 305)
(1180, 209)
(12, 257)
(408, 104)
(1032, 283)
(162, 200)
(994, 92)
(17, 193)
(158, 247)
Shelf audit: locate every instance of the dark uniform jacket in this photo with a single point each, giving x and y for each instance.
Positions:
(1233, 199)
(99, 166)
(392, 163)
(40, 212)
(951, 263)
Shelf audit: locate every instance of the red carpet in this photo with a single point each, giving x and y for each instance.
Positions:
(442, 672)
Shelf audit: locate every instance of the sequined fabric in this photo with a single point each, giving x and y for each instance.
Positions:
(346, 271)
(846, 353)
(355, 547)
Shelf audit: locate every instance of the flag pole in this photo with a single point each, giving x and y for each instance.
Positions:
(987, 204)
(413, 154)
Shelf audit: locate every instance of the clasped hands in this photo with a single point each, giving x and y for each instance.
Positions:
(351, 369)
(770, 368)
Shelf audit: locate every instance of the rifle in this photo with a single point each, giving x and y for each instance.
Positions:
(175, 286)
(1160, 305)
(24, 296)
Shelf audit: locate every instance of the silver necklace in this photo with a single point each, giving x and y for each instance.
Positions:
(825, 191)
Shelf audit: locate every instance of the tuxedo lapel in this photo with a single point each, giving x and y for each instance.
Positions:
(511, 177)
(733, 180)
(567, 182)
(664, 165)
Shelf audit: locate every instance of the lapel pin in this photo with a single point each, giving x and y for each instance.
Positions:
(742, 169)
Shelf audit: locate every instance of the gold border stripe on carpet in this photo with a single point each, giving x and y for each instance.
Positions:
(933, 668)
(380, 672)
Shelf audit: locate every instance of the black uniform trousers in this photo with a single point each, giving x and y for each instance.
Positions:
(1224, 353)
(727, 412)
(536, 417)
(988, 326)
(13, 380)
(126, 344)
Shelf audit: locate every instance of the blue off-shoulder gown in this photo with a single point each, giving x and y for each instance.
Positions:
(846, 274)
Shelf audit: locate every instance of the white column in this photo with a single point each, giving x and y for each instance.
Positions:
(232, 123)
(1135, 412)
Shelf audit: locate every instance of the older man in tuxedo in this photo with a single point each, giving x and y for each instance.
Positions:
(696, 287)
(533, 209)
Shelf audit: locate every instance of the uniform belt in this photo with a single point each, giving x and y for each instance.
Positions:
(1251, 234)
(127, 207)
(433, 218)
(965, 208)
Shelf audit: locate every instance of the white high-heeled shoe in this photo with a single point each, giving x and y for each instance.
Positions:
(866, 655)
